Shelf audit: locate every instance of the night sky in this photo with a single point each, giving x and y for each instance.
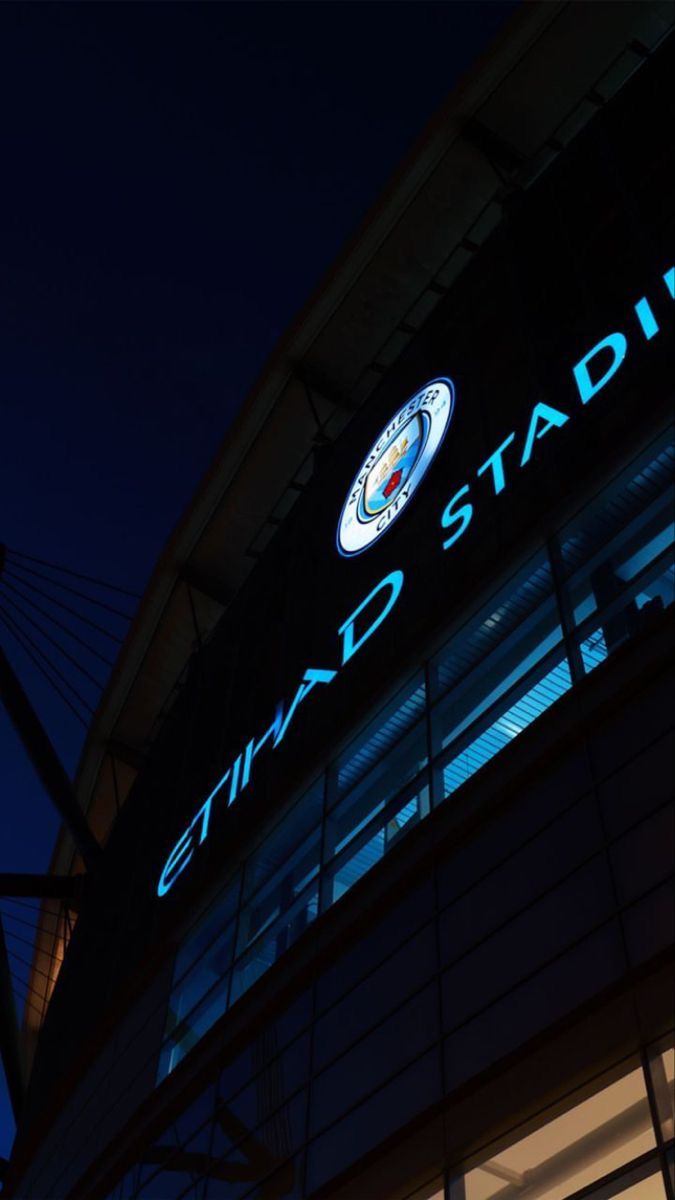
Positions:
(174, 181)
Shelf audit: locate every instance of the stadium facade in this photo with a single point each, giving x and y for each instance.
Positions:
(384, 773)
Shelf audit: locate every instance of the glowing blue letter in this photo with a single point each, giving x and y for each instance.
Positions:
(669, 280)
(349, 647)
(463, 514)
(253, 747)
(173, 866)
(618, 345)
(312, 676)
(553, 417)
(184, 848)
(495, 461)
(646, 318)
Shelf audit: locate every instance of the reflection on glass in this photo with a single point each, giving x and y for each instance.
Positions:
(617, 555)
(597, 1136)
(593, 650)
(381, 836)
(280, 891)
(497, 675)
(506, 726)
(275, 941)
(212, 966)
(183, 1034)
(370, 796)
(384, 734)
(208, 928)
(283, 842)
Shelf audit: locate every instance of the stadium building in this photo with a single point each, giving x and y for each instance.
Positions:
(382, 777)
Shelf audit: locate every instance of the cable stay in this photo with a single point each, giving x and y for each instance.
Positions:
(23, 903)
(117, 612)
(22, 637)
(59, 604)
(53, 642)
(111, 587)
(59, 624)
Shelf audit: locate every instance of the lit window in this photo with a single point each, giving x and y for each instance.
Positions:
(497, 675)
(591, 1140)
(618, 556)
(662, 1070)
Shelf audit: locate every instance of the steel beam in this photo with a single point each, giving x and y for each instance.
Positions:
(53, 887)
(206, 583)
(129, 755)
(10, 1045)
(46, 761)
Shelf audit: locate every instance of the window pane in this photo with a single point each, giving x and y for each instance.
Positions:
(572, 1151)
(662, 1069)
(303, 819)
(498, 674)
(505, 726)
(618, 554)
(212, 966)
(632, 609)
(400, 816)
(280, 891)
(632, 507)
(370, 796)
(650, 1188)
(214, 920)
(383, 735)
(183, 1034)
(515, 612)
(272, 944)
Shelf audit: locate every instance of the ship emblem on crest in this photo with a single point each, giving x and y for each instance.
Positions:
(394, 466)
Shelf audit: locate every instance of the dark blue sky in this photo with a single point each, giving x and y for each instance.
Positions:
(175, 178)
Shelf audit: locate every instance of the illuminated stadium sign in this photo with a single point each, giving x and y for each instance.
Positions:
(395, 466)
(386, 481)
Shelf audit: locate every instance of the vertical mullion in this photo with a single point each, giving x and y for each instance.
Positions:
(656, 1122)
(565, 610)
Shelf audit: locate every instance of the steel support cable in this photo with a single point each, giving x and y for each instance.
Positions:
(48, 931)
(9, 933)
(48, 935)
(43, 654)
(48, 637)
(60, 625)
(112, 587)
(24, 992)
(73, 591)
(25, 904)
(59, 604)
(54, 958)
(31, 966)
(8, 916)
(17, 983)
(19, 638)
(7, 617)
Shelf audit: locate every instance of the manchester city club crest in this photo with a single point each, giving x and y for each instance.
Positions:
(395, 466)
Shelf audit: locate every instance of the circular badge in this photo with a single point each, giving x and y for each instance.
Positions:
(395, 466)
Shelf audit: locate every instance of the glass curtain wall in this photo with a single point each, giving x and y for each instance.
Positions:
(612, 1143)
(613, 1139)
(602, 583)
